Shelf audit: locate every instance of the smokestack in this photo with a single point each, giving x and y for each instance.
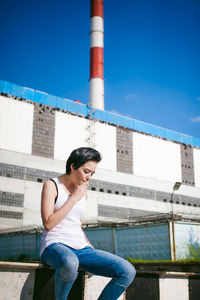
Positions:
(96, 90)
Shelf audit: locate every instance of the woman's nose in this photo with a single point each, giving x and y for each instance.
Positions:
(88, 177)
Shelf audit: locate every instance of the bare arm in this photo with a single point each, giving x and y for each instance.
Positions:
(50, 218)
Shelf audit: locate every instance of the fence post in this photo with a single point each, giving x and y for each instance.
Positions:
(113, 240)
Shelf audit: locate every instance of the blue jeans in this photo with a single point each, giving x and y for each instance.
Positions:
(66, 261)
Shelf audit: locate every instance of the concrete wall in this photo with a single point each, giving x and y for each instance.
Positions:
(17, 280)
(196, 156)
(70, 133)
(178, 290)
(156, 158)
(105, 142)
(54, 134)
(124, 150)
(164, 281)
(187, 165)
(43, 130)
(28, 281)
(137, 171)
(112, 196)
(16, 125)
(15, 167)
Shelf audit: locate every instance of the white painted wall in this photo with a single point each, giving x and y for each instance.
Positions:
(196, 157)
(156, 158)
(91, 213)
(17, 281)
(94, 285)
(32, 200)
(11, 185)
(70, 133)
(129, 179)
(32, 191)
(105, 143)
(145, 204)
(32, 203)
(173, 287)
(16, 125)
(6, 223)
(31, 161)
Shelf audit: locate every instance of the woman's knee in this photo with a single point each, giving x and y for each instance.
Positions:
(128, 271)
(68, 270)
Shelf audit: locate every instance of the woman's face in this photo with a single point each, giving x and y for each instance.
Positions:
(84, 173)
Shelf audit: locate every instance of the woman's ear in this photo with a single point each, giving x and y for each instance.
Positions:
(72, 167)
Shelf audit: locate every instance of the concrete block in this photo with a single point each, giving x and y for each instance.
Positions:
(17, 281)
(94, 286)
(178, 288)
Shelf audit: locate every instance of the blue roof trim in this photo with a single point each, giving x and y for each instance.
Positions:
(105, 116)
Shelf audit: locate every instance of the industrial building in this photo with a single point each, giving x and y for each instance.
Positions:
(146, 172)
(141, 162)
(135, 180)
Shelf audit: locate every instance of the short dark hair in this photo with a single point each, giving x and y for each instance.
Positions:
(80, 156)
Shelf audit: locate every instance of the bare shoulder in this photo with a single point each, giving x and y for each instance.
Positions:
(49, 187)
(48, 183)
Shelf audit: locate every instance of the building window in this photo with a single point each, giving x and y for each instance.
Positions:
(11, 214)
(11, 199)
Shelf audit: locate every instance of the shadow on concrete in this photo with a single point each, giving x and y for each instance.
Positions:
(145, 286)
(27, 290)
(44, 285)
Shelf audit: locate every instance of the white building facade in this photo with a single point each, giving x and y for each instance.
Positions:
(140, 165)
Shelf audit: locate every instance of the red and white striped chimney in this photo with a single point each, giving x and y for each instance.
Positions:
(96, 90)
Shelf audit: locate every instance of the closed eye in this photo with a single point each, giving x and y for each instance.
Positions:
(87, 171)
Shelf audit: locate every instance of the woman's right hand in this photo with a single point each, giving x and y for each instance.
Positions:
(80, 191)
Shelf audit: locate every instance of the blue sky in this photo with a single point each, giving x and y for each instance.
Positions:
(151, 55)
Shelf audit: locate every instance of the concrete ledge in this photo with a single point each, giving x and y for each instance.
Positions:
(17, 280)
(184, 267)
(20, 265)
(34, 281)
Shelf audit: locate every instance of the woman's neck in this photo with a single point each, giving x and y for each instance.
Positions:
(68, 182)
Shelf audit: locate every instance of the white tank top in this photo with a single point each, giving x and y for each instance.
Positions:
(68, 231)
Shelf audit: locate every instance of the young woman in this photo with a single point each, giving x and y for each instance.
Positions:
(64, 245)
